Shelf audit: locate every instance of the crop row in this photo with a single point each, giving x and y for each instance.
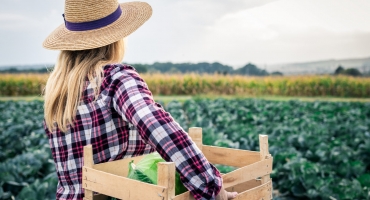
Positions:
(193, 84)
(321, 150)
(27, 170)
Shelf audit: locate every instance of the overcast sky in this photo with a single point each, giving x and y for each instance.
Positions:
(232, 32)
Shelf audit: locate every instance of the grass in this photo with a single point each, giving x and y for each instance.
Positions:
(183, 98)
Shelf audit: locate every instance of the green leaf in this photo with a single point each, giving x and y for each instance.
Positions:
(179, 186)
(298, 190)
(28, 193)
(364, 179)
(146, 171)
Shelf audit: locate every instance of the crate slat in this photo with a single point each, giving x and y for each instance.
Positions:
(244, 186)
(88, 162)
(264, 149)
(120, 187)
(230, 157)
(248, 173)
(184, 196)
(196, 136)
(260, 192)
(166, 177)
(118, 167)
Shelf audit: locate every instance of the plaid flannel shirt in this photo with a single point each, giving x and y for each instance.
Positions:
(124, 122)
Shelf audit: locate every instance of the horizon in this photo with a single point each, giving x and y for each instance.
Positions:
(256, 64)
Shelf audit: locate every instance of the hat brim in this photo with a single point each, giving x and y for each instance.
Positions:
(134, 14)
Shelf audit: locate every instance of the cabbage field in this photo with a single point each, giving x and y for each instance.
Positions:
(321, 149)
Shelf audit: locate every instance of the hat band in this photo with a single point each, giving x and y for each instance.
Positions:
(96, 24)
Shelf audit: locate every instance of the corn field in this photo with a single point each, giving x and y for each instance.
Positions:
(22, 84)
(196, 84)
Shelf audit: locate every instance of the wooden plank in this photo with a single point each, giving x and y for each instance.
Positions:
(117, 167)
(88, 162)
(248, 173)
(230, 157)
(196, 135)
(166, 177)
(184, 196)
(264, 146)
(264, 150)
(244, 186)
(257, 193)
(121, 187)
(265, 178)
(247, 191)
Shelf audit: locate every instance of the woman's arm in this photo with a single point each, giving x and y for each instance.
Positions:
(134, 102)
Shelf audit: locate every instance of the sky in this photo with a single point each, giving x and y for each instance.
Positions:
(232, 32)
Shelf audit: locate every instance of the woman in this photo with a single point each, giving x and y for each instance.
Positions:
(92, 99)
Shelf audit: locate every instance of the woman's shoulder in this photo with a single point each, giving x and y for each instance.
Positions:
(114, 68)
(121, 73)
(121, 78)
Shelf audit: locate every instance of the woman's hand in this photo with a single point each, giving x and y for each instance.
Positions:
(225, 195)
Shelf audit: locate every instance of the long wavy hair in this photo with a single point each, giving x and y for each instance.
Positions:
(64, 86)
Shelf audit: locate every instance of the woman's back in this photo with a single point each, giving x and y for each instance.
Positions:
(123, 122)
(97, 124)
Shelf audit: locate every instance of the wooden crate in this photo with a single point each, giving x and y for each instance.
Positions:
(251, 179)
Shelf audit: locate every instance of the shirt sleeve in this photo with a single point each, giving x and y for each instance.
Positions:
(133, 101)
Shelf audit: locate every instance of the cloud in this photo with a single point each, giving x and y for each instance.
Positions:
(179, 28)
(237, 32)
(288, 31)
(233, 32)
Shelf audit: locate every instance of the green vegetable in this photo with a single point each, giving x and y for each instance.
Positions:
(146, 171)
(138, 174)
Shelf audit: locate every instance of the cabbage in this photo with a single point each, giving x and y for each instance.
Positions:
(146, 171)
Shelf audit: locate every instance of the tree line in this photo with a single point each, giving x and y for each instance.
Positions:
(199, 68)
(168, 67)
(350, 71)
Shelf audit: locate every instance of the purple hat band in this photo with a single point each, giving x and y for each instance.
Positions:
(96, 24)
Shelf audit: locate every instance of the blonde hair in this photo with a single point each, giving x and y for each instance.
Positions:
(65, 84)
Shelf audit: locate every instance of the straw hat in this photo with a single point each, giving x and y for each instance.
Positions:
(95, 23)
